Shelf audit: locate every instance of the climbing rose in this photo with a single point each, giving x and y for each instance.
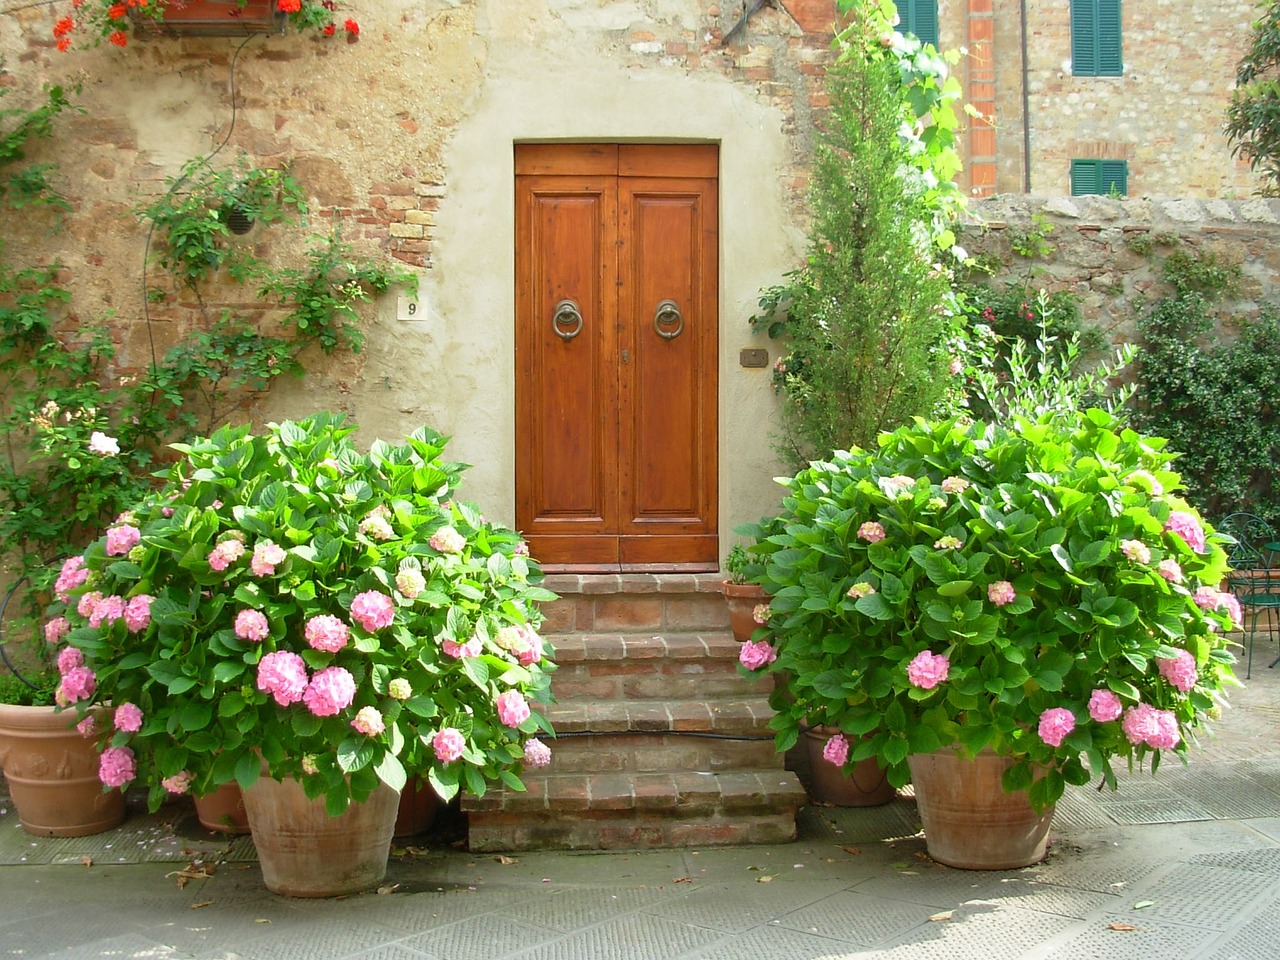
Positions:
(266, 556)
(1055, 724)
(120, 540)
(836, 750)
(252, 625)
(1187, 526)
(283, 674)
(536, 753)
(1105, 706)
(330, 691)
(99, 442)
(56, 629)
(326, 633)
(513, 710)
(179, 783)
(368, 721)
(137, 612)
(116, 766)
(448, 745)
(1136, 550)
(447, 540)
(373, 610)
(871, 532)
(128, 717)
(927, 671)
(1001, 593)
(1179, 670)
(753, 656)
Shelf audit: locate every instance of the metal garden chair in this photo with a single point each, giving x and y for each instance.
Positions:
(1252, 557)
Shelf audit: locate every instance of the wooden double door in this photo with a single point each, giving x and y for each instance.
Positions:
(616, 354)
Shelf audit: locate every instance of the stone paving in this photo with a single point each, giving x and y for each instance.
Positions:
(1182, 866)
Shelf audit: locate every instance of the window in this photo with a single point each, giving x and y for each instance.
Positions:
(919, 17)
(1099, 176)
(1095, 38)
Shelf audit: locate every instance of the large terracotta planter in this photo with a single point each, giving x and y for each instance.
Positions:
(222, 811)
(969, 821)
(52, 773)
(864, 786)
(742, 599)
(304, 852)
(417, 809)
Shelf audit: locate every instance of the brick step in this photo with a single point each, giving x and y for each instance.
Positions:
(746, 715)
(646, 667)
(605, 811)
(636, 603)
(657, 752)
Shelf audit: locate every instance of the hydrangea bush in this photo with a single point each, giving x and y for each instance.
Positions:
(1039, 590)
(285, 603)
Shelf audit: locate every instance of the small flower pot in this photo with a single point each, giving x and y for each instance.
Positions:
(215, 18)
(742, 600)
(222, 811)
(866, 785)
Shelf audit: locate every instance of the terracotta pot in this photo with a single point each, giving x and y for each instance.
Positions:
(417, 810)
(222, 811)
(304, 852)
(742, 599)
(969, 821)
(215, 18)
(52, 773)
(866, 785)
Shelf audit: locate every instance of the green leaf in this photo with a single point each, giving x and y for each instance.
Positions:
(391, 771)
(355, 753)
(956, 588)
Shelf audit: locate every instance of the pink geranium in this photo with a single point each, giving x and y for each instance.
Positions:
(252, 625)
(283, 674)
(513, 709)
(373, 610)
(326, 633)
(836, 750)
(448, 745)
(120, 540)
(128, 717)
(1056, 724)
(116, 766)
(927, 670)
(536, 753)
(330, 691)
(1179, 670)
(1105, 706)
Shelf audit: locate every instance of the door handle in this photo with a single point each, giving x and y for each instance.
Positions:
(668, 322)
(566, 320)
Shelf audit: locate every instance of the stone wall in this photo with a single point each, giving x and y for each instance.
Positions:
(1108, 251)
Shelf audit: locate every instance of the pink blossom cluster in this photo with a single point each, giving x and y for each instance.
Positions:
(1207, 598)
(128, 718)
(373, 610)
(1158, 729)
(871, 532)
(753, 656)
(252, 625)
(1179, 670)
(283, 674)
(760, 613)
(836, 750)
(102, 445)
(955, 485)
(1187, 526)
(72, 575)
(521, 549)
(267, 555)
(1105, 706)
(536, 753)
(376, 527)
(513, 709)
(122, 539)
(521, 640)
(1001, 593)
(225, 553)
(179, 783)
(368, 720)
(116, 766)
(457, 650)
(76, 684)
(87, 727)
(1170, 570)
(137, 612)
(948, 543)
(326, 633)
(106, 610)
(1136, 550)
(927, 670)
(56, 629)
(448, 745)
(1148, 480)
(447, 540)
(410, 582)
(330, 691)
(68, 659)
(1056, 725)
(897, 486)
(399, 689)
(88, 600)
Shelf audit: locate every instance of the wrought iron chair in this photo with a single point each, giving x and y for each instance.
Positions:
(1252, 556)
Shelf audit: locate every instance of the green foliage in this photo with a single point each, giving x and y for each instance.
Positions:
(866, 319)
(361, 568)
(38, 693)
(1253, 116)
(1035, 564)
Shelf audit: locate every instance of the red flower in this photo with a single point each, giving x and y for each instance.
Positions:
(328, 30)
(63, 27)
(352, 28)
(117, 11)
(288, 6)
(119, 38)
(64, 44)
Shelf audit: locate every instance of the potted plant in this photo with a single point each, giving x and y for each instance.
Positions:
(284, 608)
(746, 600)
(1031, 597)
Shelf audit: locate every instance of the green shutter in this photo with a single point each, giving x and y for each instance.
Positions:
(1095, 38)
(919, 17)
(1110, 63)
(1099, 177)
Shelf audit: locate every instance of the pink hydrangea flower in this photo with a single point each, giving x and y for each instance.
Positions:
(1170, 570)
(513, 709)
(399, 689)
(368, 721)
(1158, 729)
(120, 540)
(326, 633)
(871, 532)
(521, 640)
(1206, 598)
(1104, 706)
(897, 486)
(948, 543)
(1187, 526)
(267, 555)
(521, 549)
(447, 540)
(309, 765)
(102, 445)
(56, 629)
(373, 610)
(1055, 725)
(1167, 736)
(283, 674)
(224, 554)
(753, 656)
(536, 753)
(68, 659)
(72, 575)
(116, 766)
(1229, 602)
(252, 625)
(330, 691)
(87, 602)
(955, 485)
(1136, 550)
(88, 726)
(1148, 480)
(860, 589)
(927, 670)
(956, 366)
(760, 613)
(457, 650)
(410, 582)
(836, 750)
(137, 612)
(1001, 593)
(448, 745)
(1179, 670)
(179, 783)
(107, 610)
(128, 717)
(376, 527)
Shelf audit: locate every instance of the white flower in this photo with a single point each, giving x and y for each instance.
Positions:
(103, 445)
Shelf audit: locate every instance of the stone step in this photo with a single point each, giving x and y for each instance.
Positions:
(605, 811)
(635, 603)
(647, 667)
(738, 716)
(657, 752)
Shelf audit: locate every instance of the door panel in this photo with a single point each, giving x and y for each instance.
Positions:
(616, 423)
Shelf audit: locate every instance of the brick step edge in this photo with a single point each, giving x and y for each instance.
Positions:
(656, 796)
(656, 752)
(738, 716)
(506, 832)
(649, 645)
